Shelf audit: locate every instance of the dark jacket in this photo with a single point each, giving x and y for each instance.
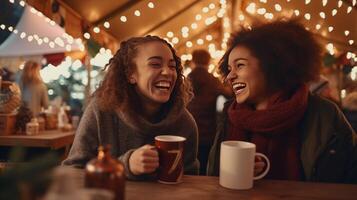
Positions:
(206, 89)
(328, 150)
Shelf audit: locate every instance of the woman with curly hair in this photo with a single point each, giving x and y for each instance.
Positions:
(305, 137)
(143, 95)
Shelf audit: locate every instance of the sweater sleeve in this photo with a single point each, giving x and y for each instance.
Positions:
(85, 143)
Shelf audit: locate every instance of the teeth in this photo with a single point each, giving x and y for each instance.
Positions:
(238, 85)
(163, 84)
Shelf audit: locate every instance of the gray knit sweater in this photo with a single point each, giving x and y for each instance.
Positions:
(125, 134)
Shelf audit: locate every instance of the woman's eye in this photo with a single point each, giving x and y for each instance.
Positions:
(155, 64)
(239, 65)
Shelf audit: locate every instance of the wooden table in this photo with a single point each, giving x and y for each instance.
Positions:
(53, 139)
(208, 188)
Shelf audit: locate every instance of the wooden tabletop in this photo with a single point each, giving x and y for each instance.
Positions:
(208, 188)
(54, 139)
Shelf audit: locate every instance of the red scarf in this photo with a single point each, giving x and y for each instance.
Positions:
(273, 130)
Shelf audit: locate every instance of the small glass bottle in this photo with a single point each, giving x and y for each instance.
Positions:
(106, 173)
(32, 128)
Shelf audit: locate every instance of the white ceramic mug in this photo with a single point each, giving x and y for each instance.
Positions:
(237, 165)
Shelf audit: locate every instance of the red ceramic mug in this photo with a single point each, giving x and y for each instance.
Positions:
(170, 148)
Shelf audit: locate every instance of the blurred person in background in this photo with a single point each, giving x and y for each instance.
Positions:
(33, 90)
(206, 89)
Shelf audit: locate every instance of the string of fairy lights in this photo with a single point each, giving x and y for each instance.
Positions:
(253, 9)
(65, 41)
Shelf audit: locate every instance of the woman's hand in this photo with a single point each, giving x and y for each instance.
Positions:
(259, 165)
(144, 160)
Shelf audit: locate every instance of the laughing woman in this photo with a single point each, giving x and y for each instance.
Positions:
(305, 137)
(143, 95)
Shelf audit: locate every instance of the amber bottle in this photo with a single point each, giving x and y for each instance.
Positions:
(106, 173)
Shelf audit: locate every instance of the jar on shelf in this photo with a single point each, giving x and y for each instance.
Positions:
(32, 127)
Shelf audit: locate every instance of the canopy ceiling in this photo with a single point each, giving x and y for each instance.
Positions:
(168, 15)
(36, 26)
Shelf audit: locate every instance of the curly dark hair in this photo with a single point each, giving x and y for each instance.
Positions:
(288, 54)
(115, 91)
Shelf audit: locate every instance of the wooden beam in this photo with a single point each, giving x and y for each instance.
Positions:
(171, 17)
(115, 12)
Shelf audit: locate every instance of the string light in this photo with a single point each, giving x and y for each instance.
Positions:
(189, 44)
(349, 9)
(106, 24)
(194, 26)
(347, 32)
(297, 12)
(137, 13)
(324, 3)
(318, 26)
(96, 30)
(307, 16)
(123, 18)
(339, 4)
(322, 15)
(334, 12)
(350, 42)
(151, 5)
(307, 1)
(170, 34)
(278, 7)
(261, 11)
(330, 28)
(198, 17)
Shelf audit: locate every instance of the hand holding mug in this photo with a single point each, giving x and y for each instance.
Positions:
(144, 160)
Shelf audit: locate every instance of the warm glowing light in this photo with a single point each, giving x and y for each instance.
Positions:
(200, 41)
(349, 9)
(339, 4)
(211, 6)
(251, 8)
(205, 9)
(198, 17)
(106, 24)
(189, 44)
(297, 12)
(151, 5)
(347, 32)
(185, 29)
(194, 26)
(307, 1)
(175, 40)
(241, 17)
(330, 28)
(322, 15)
(170, 34)
(278, 7)
(318, 26)
(209, 37)
(96, 30)
(307, 16)
(123, 19)
(324, 3)
(334, 12)
(261, 11)
(350, 42)
(86, 36)
(137, 13)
